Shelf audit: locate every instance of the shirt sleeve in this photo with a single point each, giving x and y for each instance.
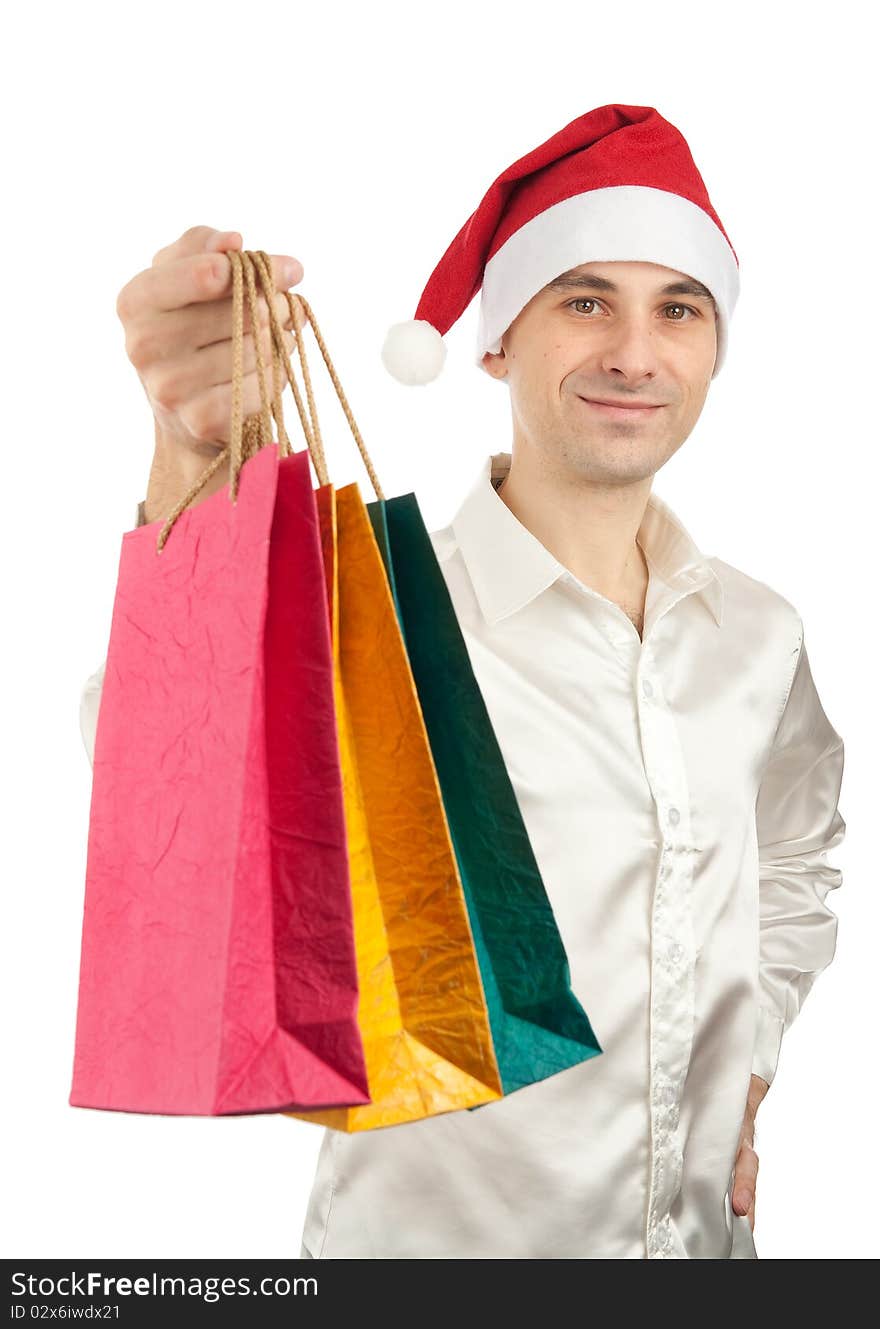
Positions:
(89, 704)
(798, 822)
(90, 695)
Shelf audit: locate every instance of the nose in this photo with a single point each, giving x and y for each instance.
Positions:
(629, 351)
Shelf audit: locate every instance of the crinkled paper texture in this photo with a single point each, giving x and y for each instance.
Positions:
(218, 972)
(422, 1012)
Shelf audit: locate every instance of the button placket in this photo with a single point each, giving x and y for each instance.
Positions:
(673, 954)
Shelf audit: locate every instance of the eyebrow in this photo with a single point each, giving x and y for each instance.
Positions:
(580, 281)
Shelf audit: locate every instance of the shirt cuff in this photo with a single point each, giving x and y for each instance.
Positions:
(768, 1041)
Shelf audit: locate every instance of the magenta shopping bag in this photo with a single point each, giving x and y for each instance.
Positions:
(218, 969)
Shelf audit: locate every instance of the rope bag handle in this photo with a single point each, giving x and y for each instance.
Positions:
(253, 432)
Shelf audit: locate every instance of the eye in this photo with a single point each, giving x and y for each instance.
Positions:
(582, 300)
(687, 307)
(588, 300)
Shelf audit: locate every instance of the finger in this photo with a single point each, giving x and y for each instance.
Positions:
(197, 240)
(285, 272)
(201, 278)
(249, 356)
(213, 325)
(156, 340)
(745, 1179)
(208, 416)
(223, 241)
(169, 287)
(174, 382)
(165, 338)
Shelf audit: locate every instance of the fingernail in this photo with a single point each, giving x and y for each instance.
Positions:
(292, 273)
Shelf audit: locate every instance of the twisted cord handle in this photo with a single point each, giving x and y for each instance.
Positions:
(248, 435)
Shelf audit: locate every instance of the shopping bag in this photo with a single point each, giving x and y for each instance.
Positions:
(538, 1025)
(422, 1014)
(218, 973)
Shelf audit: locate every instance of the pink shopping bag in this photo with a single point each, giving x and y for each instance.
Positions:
(218, 971)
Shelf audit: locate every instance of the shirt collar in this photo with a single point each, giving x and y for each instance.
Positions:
(509, 566)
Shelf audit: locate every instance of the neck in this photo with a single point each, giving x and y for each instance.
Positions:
(590, 527)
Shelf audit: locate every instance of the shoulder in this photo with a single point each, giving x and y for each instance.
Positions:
(747, 598)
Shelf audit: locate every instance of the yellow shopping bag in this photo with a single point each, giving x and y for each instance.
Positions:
(422, 1009)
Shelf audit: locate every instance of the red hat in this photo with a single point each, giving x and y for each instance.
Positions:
(618, 183)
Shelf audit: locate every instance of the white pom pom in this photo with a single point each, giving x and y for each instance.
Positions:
(414, 352)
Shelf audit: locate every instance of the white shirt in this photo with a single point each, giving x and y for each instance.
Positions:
(680, 792)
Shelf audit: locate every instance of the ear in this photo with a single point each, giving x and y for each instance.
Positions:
(495, 364)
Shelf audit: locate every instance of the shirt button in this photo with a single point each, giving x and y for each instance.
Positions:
(675, 952)
(674, 816)
(664, 1092)
(646, 688)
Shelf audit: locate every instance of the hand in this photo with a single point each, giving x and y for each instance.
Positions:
(745, 1174)
(177, 316)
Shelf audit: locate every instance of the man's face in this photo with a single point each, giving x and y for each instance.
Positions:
(608, 331)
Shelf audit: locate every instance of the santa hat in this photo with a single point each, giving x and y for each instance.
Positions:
(618, 183)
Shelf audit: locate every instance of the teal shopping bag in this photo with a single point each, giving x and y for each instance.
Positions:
(538, 1025)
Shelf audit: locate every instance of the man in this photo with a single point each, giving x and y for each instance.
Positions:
(676, 772)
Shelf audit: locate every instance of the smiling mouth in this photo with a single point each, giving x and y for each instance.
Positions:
(622, 409)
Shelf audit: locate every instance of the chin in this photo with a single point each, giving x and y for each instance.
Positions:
(617, 468)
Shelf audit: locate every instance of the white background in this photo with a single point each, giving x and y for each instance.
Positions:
(359, 138)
